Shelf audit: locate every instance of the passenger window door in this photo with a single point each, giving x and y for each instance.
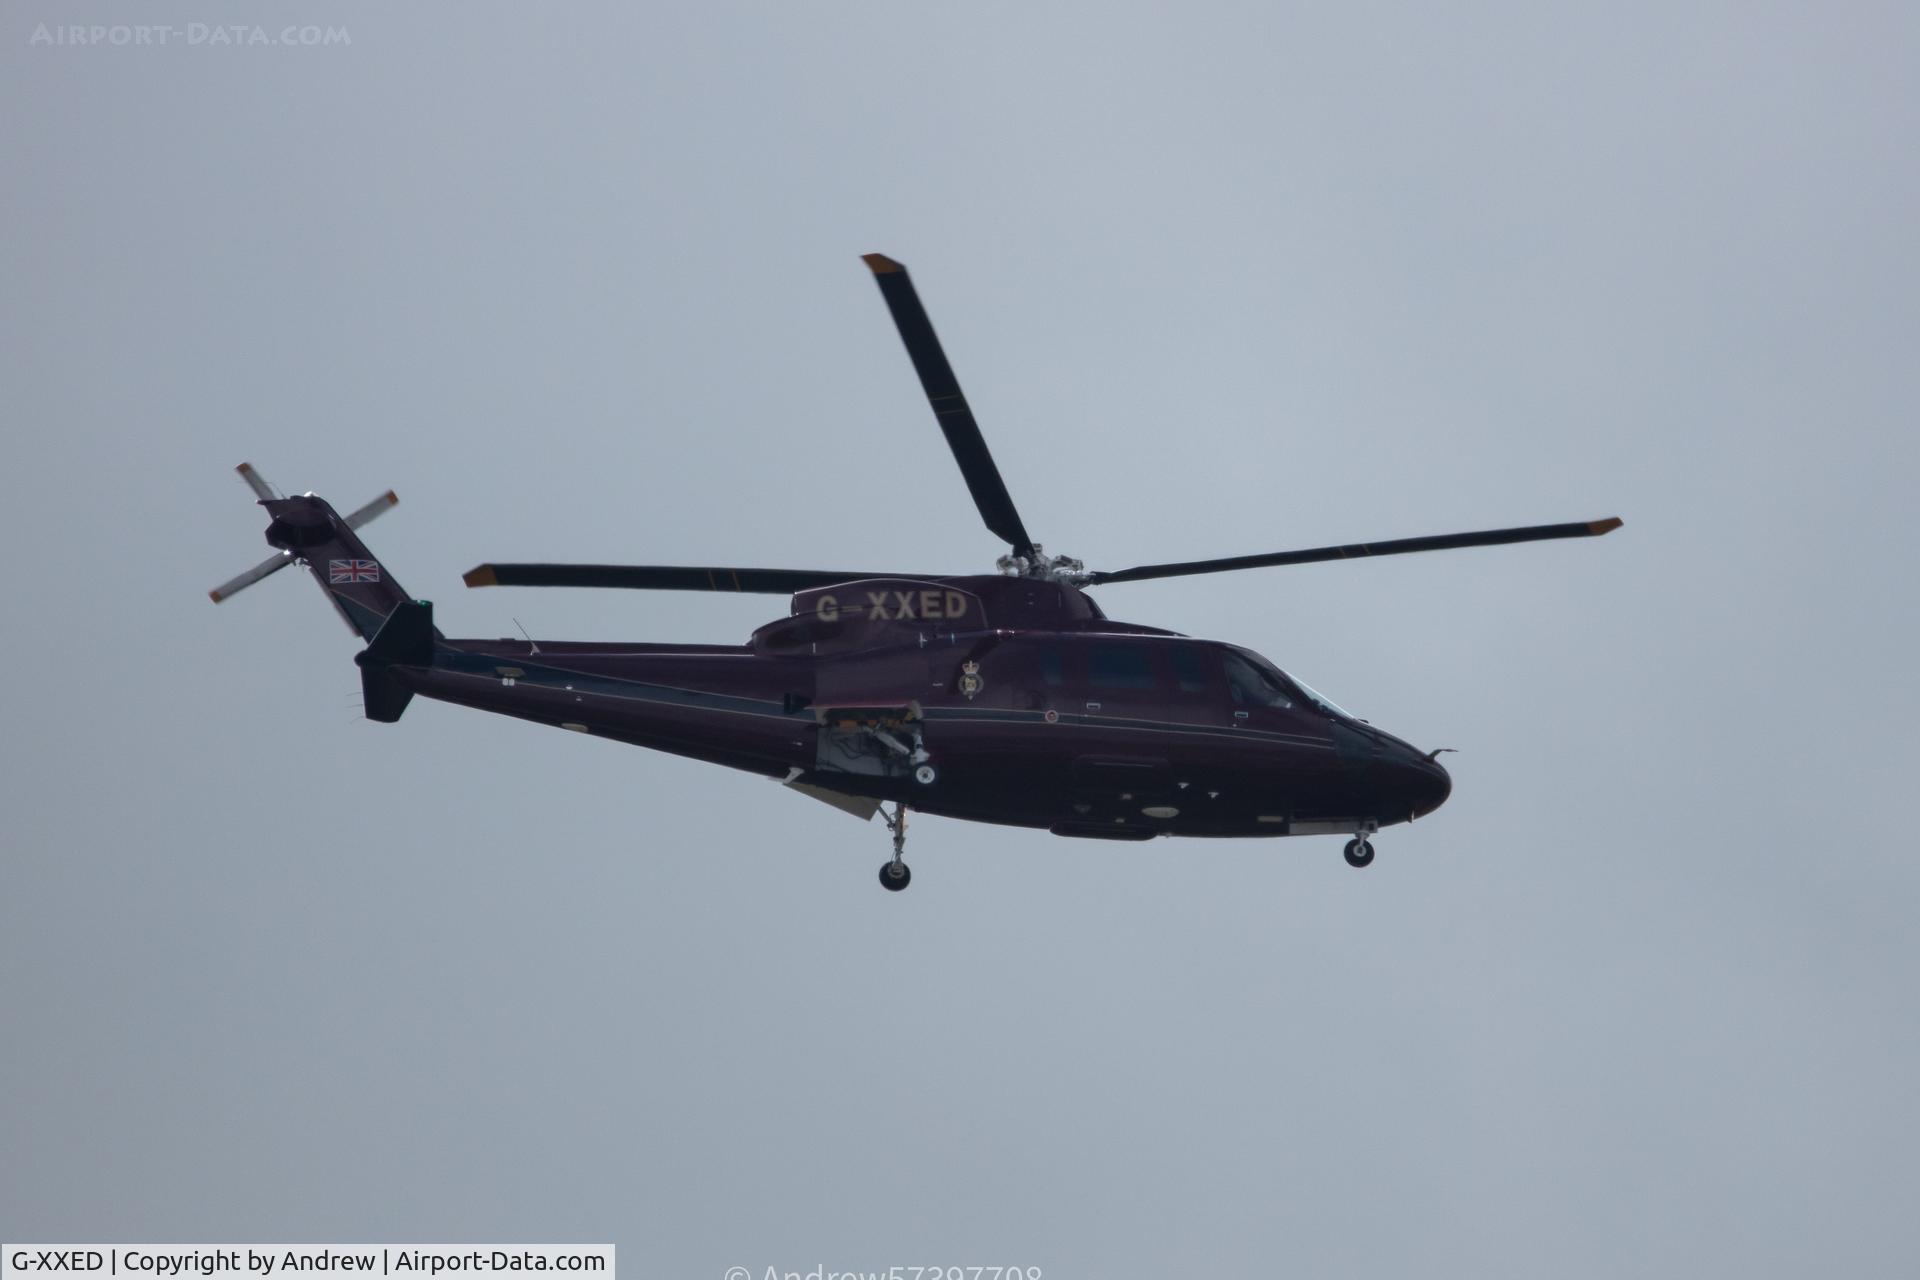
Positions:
(1027, 676)
(1124, 680)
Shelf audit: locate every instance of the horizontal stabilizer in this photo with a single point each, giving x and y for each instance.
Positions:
(385, 698)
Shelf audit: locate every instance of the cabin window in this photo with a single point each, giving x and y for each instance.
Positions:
(1053, 671)
(1189, 670)
(1120, 666)
(1252, 687)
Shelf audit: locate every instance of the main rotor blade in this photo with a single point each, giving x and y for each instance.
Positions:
(1355, 550)
(659, 577)
(949, 403)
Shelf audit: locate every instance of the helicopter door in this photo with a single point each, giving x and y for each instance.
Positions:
(1206, 754)
(1122, 774)
(1231, 709)
(1122, 686)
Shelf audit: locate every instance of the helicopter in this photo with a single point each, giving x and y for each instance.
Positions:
(1007, 698)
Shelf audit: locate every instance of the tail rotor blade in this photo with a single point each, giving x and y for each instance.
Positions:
(256, 482)
(378, 507)
(272, 565)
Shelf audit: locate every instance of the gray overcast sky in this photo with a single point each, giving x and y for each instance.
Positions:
(1218, 279)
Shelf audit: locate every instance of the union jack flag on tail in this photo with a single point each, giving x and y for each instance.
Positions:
(353, 571)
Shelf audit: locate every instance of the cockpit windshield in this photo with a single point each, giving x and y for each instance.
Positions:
(1325, 703)
(1275, 676)
(1253, 684)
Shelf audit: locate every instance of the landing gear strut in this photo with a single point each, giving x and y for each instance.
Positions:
(894, 873)
(1359, 851)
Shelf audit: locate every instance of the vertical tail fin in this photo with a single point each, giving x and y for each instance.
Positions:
(359, 586)
(280, 560)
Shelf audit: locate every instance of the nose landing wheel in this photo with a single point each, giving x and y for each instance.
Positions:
(1359, 852)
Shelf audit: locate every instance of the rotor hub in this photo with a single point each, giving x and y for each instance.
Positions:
(1043, 567)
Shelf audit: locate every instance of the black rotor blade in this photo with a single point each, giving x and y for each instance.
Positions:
(659, 577)
(949, 403)
(1355, 550)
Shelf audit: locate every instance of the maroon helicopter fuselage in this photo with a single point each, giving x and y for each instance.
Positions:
(994, 699)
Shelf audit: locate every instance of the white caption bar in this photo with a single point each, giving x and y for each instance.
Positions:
(410, 1261)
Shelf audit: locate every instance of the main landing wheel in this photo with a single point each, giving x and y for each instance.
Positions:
(894, 874)
(1359, 852)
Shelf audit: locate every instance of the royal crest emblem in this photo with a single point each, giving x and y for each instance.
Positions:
(970, 681)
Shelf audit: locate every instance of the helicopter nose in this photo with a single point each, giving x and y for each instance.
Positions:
(1419, 782)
